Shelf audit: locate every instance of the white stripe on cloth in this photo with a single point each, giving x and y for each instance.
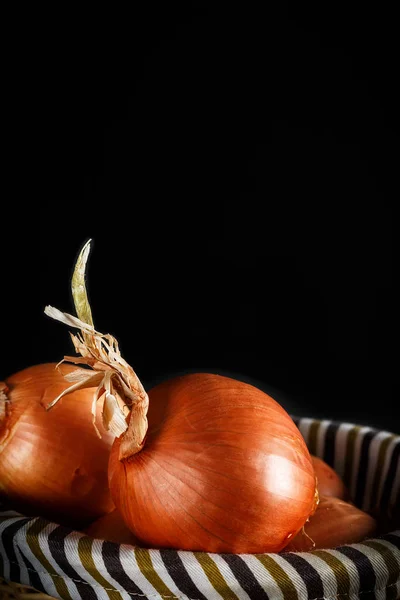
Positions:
(132, 570)
(198, 576)
(48, 584)
(44, 546)
(328, 577)
(372, 465)
(379, 567)
(294, 575)
(20, 540)
(394, 550)
(24, 573)
(6, 561)
(229, 577)
(352, 571)
(9, 521)
(71, 551)
(341, 447)
(321, 434)
(264, 577)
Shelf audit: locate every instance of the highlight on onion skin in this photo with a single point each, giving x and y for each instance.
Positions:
(329, 482)
(111, 527)
(334, 523)
(52, 463)
(223, 468)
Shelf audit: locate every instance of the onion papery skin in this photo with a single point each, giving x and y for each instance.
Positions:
(52, 463)
(223, 468)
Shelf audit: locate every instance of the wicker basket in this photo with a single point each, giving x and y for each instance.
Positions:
(65, 564)
(17, 591)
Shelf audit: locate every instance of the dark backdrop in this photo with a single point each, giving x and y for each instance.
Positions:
(236, 172)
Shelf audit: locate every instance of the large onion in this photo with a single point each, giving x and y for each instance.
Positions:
(223, 469)
(52, 463)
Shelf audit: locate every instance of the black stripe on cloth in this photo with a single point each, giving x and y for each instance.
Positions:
(178, 573)
(57, 549)
(365, 570)
(310, 576)
(393, 539)
(245, 577)
(362, 470)
(112, 562)
(34, 578)
(7, 538)
(330, 444)
(391, 473)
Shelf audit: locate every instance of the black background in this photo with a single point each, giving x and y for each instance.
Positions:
(236, 171)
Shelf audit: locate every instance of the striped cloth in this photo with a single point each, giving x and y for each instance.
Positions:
(69, 565)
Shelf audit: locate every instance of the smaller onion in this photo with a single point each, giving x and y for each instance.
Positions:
(329, 483)
(52, 463)
(112, 528)
(334, 523)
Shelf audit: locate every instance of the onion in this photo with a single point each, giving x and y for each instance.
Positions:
(334, 523)
(329, 482)
(52, 463)
(223, 469)
(111, 527)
